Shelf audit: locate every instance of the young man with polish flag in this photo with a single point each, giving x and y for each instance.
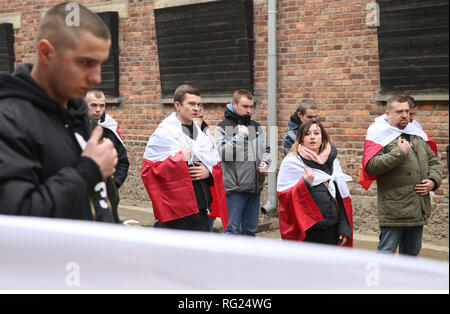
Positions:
(181, 170)
(398, 156)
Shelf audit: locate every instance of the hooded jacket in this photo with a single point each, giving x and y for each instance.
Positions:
(42, 172)
(241, 154)
(291, 134)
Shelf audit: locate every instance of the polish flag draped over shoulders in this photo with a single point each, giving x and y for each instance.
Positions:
(297, 210)
(110, 123)
(166, 176)
(381, 133)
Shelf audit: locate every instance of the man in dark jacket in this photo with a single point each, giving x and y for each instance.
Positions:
(241, 143)
(51, 164)
(96, 101)
(305, 112)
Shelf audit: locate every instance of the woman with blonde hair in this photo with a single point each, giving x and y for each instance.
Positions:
(315, 204)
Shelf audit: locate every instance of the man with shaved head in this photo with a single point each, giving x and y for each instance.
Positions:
(96, 102)
(53, 163)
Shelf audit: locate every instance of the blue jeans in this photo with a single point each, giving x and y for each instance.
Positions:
(408, 238)
(243, 212)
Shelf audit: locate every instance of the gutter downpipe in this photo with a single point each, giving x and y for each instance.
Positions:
(271, 203)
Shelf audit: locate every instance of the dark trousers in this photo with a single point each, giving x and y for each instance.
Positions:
(196, 222)
(322, 236)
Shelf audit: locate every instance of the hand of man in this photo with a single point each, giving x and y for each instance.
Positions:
(199, 171)
(187, 152)
(102, 152)
(262, 169)
(426, 187)
(308, 175)
(243, 129)
(404, 145)
(343, 240)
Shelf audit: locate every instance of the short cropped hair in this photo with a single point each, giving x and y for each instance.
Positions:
(400, 99)
(54, 26)
(96, 93)
(305, 105)
(241, 93)
(182, 90)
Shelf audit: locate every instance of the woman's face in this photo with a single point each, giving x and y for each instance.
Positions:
(313, 138)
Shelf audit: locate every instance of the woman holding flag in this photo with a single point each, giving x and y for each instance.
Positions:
(315, 204)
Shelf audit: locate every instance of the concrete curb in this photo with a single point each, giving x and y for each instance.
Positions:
(129, 211)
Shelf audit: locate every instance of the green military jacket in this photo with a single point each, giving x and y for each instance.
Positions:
(397, 174)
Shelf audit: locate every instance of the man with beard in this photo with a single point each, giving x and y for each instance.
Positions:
(241, 144)
(399, 158)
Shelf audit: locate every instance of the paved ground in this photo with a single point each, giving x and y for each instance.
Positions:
(268, 228)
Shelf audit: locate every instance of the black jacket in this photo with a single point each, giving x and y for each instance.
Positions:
(122, 164)
(292, 131)
(325, 202)
(42, 172)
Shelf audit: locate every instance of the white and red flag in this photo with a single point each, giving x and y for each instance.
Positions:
(166, 176)
(111, 124)
(297, 209)
(381, 133)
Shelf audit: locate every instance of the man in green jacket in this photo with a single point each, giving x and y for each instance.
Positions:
(407, 171)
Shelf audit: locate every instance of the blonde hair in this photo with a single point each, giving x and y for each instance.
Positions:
(241, 93)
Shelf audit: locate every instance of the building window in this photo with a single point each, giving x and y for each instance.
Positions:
(207, 45)
(413, 46)
(110, 68)
(6, 48)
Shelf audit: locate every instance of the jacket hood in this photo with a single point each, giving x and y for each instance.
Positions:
(230, 113)
(295, 118)
(21, 85)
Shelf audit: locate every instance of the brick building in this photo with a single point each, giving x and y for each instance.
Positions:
(347, 55)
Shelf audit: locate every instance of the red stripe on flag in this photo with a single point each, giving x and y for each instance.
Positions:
(117, 130)
(219, 201)
(170, 188)
(349, 211)
(433, 145)
(370, 150)
(297, 212)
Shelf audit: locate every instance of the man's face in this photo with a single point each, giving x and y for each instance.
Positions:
(412, 114)
(73, 71)
(310, 114)
(244, 107)
(189, 108)
(96, 106)
(398, 115)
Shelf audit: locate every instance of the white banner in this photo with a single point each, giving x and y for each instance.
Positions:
(53, 254)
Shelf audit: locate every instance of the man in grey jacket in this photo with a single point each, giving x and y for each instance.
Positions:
(241, 144)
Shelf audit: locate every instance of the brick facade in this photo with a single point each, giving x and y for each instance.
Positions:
(325, 52)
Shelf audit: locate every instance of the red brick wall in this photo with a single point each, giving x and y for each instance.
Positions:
(325, 52)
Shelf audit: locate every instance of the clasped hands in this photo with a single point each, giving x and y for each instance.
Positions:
(199, 170)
